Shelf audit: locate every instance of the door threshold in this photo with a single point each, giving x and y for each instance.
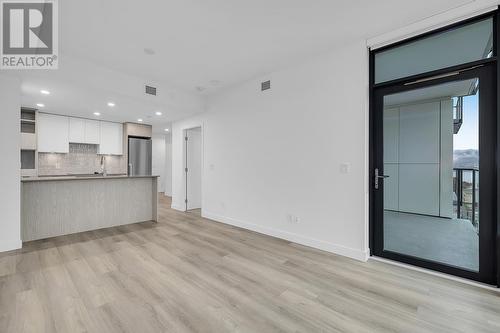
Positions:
(434, 273)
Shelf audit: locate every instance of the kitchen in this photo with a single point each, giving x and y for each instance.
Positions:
(81, 174)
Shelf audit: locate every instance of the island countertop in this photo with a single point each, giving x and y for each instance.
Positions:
(79, 177)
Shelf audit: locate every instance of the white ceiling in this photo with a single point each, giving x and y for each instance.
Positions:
(197, 43)
(446, 90)
(80, 88)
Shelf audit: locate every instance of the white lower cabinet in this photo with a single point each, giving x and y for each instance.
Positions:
(53, 133)
(111, 138)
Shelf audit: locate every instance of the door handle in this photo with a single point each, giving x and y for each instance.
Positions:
(378, 177)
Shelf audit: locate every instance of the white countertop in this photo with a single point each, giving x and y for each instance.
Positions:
(79, 177)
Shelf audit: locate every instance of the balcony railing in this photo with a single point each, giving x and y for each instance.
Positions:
(466, 190)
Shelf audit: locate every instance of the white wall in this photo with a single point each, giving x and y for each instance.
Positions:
(275, 155)
(10, 193)
(158, 159)
(418, 158)
(446, 160)
(168, 165)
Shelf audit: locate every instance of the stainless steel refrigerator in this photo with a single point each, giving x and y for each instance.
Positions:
(139, 157)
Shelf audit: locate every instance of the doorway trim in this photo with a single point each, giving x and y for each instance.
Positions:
(490, 63)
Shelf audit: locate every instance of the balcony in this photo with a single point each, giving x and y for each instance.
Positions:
(466, 195)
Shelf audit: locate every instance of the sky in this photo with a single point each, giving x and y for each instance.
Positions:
(468, 136)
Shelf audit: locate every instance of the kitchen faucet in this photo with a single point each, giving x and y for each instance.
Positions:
(103, 166)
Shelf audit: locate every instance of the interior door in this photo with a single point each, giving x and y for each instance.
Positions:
(434, 173)
(193, 168)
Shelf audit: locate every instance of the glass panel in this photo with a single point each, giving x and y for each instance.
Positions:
(27, 159)
(431, 155)
(28, 115)
(454, 47)
(27, 127)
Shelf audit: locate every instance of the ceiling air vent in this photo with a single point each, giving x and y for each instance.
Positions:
(265, 85)
(151, 90)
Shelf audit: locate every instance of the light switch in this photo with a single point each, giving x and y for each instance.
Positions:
(345, 168)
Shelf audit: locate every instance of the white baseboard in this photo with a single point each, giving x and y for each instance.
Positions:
(9, 245)
(299, 239)
(181, 208)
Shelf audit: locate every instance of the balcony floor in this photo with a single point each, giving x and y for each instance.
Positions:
(450, 241)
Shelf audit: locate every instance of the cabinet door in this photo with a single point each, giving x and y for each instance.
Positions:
(76, 130)
(53, 133)
(92, 131)
(111, 139)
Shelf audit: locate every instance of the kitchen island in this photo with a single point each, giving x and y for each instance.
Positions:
(55, 206)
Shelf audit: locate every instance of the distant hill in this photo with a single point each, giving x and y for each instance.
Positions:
(467, 159)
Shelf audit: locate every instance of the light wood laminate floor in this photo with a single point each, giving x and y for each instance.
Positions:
(189, 274)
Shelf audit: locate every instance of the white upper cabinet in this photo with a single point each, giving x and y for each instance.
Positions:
(76, 130)
(92, 131)
(111, 138)
(84, 131)
(56, 132)
(53, 133)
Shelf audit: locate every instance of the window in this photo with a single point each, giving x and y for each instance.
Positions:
(457, 46)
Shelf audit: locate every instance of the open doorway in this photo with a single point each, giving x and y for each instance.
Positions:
(193, 168)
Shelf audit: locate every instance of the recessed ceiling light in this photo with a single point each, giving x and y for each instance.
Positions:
(40, 105)
(111, 104)
(45, 92)
(149, 51)
(97, 113)
(158, 113)
(166, 130)
(139, 120)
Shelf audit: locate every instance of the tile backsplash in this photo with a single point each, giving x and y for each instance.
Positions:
(81, 159)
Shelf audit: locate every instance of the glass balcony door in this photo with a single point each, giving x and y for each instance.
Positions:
(434, 157)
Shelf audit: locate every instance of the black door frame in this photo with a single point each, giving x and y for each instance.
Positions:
(489, 125)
